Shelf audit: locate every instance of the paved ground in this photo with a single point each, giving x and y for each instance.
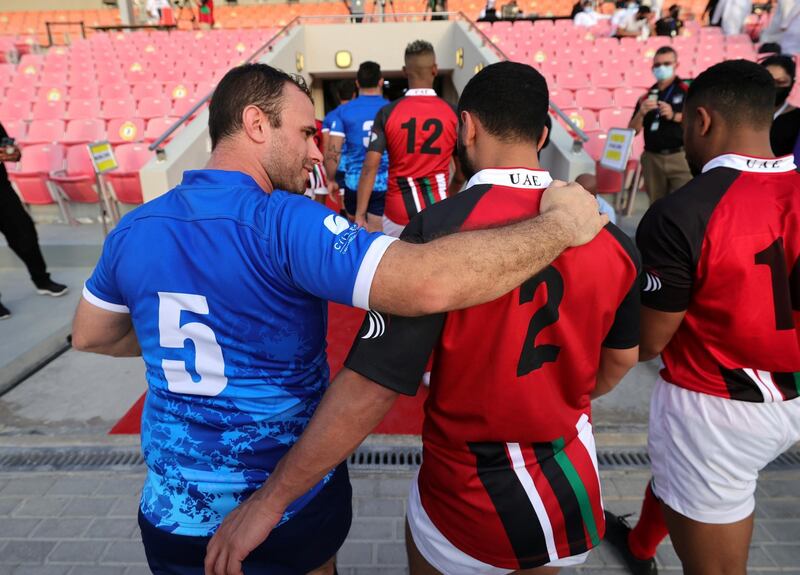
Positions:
(85, 524)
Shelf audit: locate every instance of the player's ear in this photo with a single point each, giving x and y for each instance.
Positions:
(703, 120)
(468, 121)
(435, 70)
(542, 138)
(405, 72)
(255, 124)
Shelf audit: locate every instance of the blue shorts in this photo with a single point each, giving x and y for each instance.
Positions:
(339, 178)
(302, 544)
(376, 202)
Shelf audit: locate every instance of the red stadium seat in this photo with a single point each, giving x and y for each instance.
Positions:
(114, 90)
(608, 181)
(614, 118)
(179, 90)
(125, 130)
(124, 180)
(154, 108)
(82, 109)
(85, 91)
(158, 126)
(594, 147)
(563, 98)
(584, 119)
(607, 79)
(572, 81)
(148, 90)
(44, 132)
(49, 110)
(84, 131)
(16, 128)
(627, 97)
(77, 180)
(52, 93)
(593, 99)
(118, 108)
(11, 109)
(182, 106)
(639, 79)
(33, 171)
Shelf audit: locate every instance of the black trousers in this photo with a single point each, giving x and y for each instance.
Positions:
(17, 226)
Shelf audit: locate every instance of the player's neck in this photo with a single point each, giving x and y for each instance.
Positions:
(745, 143)
(225, 158)
(513, 156)
(369, 92)
(419, 85)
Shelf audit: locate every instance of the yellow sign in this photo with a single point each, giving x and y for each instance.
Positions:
(54, 95)
(179, 92)
(103, 158)
(617, 150)
(344, 59)
(127, 131)
(460, 57)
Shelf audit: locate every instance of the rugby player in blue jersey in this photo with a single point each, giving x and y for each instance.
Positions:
(222, 284)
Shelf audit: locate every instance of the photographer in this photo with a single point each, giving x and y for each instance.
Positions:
(16, 225)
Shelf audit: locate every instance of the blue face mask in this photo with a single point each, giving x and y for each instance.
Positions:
(663, 72)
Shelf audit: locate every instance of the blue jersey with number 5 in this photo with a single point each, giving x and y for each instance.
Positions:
(354, 121)
(227, 289)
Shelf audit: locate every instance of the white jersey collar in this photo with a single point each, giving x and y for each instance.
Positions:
(512, 178)
(421, 92)
(752, 164)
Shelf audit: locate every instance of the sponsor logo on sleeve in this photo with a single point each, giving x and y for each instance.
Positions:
(376, 325)
(344, 231)
(652, 282)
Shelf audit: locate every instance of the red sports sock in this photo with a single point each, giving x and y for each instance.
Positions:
(651, 529)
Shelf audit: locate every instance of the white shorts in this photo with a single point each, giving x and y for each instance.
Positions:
(391, 228)
(446, 557)
(706, 451)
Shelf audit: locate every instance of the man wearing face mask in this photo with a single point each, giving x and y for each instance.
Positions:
(587, 17)
(659, 114)
(786, 122)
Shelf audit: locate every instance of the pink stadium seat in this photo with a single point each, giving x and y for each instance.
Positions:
(607, 79)
(179, 90)
(182, 106)
(594, 147)
(19, 93)
(114, 76)
(584, 65)
(584, 119)
(114, 90)
(12, 109)
(84, 131)
(572, 81)
(205, 87)
(614, 118)
(118, 108)
(82, 109)
(593, 99)
(52, 93)
(627, 97)
(48, 110)
(125, 179)
(125, 130)
(33, 170)
(608, 181)
(563, 98)
(77, 180)
(44, 132)
(148, 90)
(639, 79)
(154, 108)
(158, 126)
(16, 128)
(84, 91)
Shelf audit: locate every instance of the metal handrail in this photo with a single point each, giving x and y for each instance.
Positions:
(156, 145)
(488, 41)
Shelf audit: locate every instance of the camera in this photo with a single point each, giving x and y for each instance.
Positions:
(8, 145)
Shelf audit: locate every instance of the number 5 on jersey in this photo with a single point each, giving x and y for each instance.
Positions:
(209, 363)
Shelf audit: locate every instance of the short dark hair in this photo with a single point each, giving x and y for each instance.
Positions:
(417, 48)
(509, 99)
(249, 84)
(346, 89)
(784, 61)
(666, 50)
(369, 74)
(643, 10)
(740, 91)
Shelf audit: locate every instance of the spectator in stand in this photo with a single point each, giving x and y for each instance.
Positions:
(785, 26)
(17, 226)
(577, 8)
(206, 9)
(620, 14)
(659, 113)
(638, 25)
(588, 16)
(489, 12)
(670, 25)
(730, 14)
(511, 11)
(786, 123)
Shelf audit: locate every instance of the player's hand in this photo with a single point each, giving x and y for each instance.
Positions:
(361, 220)
(576, 210)
(648, 105)
(666, 110)
(244, 529)
(13, 157)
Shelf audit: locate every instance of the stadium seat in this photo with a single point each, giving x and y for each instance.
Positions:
(48, 110)
(16, 128)
(157, 126)
(85, 91)
(608, 181)
(118, 108)
(593, 99)
(52, 92)
(572, 81)
(124, 181)
(182, 106)
(607, 79)
(12, 109)
(148, 90)
(125, 130)
(77, 180)
(114, 90)
(614, 118)
(179, 90)
(154, 108)
(627, 97)
(638, 79)
(84, 131)
(43, 132)
(584, 119)
(563, 98)
(594, 146)
(32, 172)
(82, 109)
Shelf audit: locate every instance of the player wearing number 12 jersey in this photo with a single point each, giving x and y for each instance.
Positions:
(509, 476)
(721, 301)
(419, 133)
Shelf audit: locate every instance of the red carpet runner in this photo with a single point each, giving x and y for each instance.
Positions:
(343, 323)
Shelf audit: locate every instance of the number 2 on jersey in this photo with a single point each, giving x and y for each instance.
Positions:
(534, 356)
(785, 287)
(209, 363)
(428, 145)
